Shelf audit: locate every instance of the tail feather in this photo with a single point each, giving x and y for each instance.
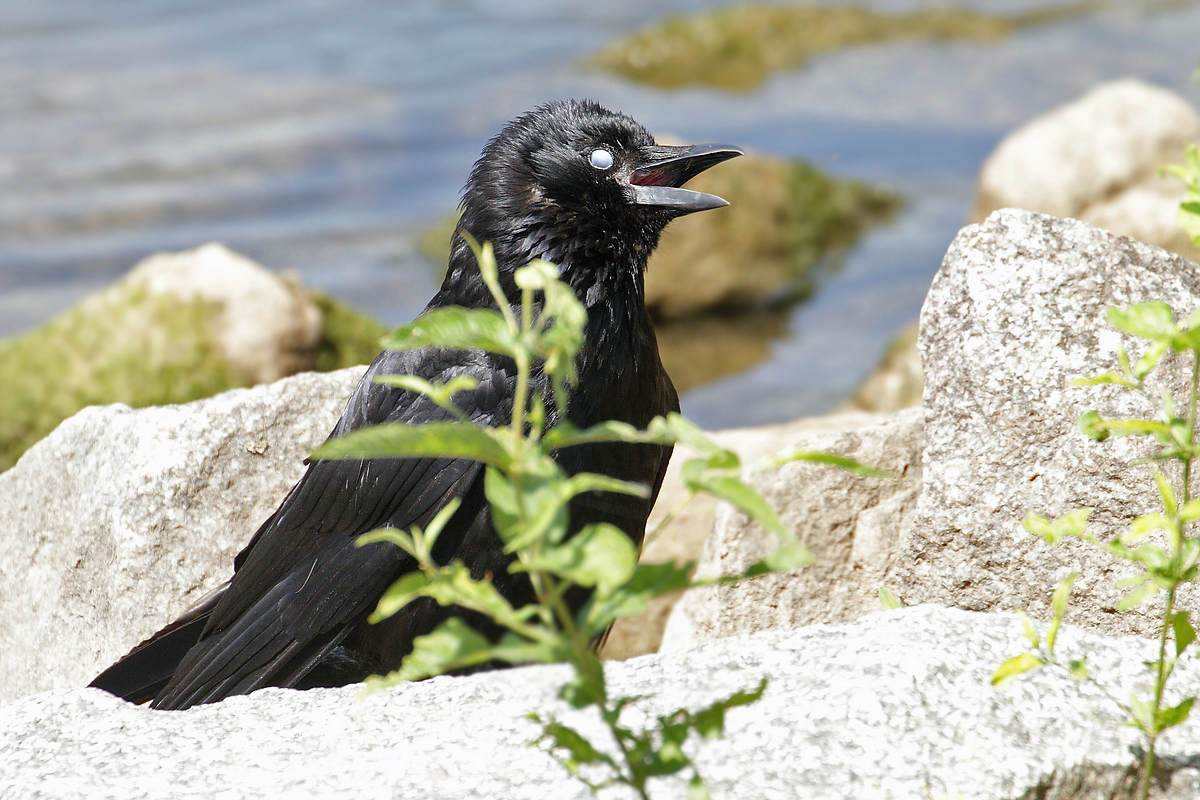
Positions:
(142, 672)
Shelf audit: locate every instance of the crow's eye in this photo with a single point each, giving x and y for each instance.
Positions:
(601, 158)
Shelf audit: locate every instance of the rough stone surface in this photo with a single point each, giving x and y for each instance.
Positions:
(1016, 312)
(1097, 159)
(851, 523)
(120, 519)
(896, 706)
(267, 326)
(683, 538)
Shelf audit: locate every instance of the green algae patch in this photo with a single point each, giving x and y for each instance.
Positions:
(125, 345)
(348, 337)
(121, 346)
(738, 48)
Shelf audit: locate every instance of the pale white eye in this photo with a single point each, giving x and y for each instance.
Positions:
(601, 158)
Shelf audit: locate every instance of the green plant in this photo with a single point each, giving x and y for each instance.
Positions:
(529, 494)
(1158, 543)
(1189, 209)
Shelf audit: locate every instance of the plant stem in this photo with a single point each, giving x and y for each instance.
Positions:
(634, 781)
(1160, 685)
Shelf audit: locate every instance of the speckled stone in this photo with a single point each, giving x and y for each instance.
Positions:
(896, 705)
(120, 519)
(1016, 312)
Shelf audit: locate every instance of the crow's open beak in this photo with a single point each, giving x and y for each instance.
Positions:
(658, 182)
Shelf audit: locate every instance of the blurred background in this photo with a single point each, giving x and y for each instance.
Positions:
(330, 138)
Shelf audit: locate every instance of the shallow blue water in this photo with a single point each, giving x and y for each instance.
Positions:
(321, 137)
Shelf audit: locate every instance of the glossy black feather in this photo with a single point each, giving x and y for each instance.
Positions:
(294, 612)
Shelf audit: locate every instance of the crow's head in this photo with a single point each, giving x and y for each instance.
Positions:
(583, 187)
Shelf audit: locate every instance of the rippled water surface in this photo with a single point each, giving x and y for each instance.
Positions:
(321, 137)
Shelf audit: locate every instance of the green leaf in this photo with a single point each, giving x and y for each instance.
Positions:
(1079, 670)
(1073, 523)
(789, 555)
(404, 590)
(563, 318)
(580, 750)
(1105, 378)
(669, 757)
(1142, 714)
(697, 789)
(587, 687)
(1188, 219)
(1190, 512)
(593, 482)
(402, 539)
(710, 722)
(430, 440)
(1147, 524)
(1185, 634)
(485, 257)
(1175, 715)
(440, 393)
(1138, 427)
(601, 556)
(648, 581)
(833, 459)
(1092, 426)
(515, 649)
(1155, 321)
(889, 601)
(1017, 665)
(1166, 492)
(566, 435)
(453, 585)
(457, 328)
(1137, 597)
(1149, 360)
(1030, 633)
(677, 428)
(1058, 602)
(451, 645)
(743, 497)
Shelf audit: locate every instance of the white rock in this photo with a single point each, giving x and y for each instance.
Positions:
(267, 325)
(1017, 311)
(1079, 160)
(895, 706)
(120, 519)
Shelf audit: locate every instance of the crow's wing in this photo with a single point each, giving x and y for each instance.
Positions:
(301, 585)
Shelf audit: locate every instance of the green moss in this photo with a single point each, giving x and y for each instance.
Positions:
(826, 216)
(348, 337)
(126, 346)
(737, 48)
(122, 346)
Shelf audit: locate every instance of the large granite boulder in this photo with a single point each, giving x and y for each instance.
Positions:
(896, 705)
(1016, 312)
(1097, 160)
(118, 520)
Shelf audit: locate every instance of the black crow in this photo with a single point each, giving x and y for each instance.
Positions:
(569, 182)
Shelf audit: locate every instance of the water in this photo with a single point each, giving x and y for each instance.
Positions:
(322, 137)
